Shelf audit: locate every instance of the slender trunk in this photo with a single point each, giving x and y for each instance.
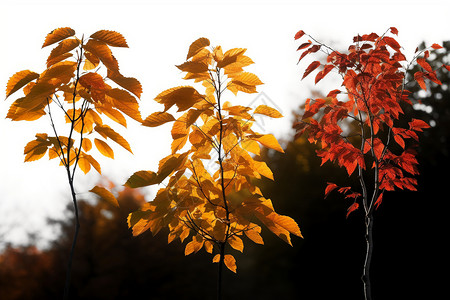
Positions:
(219, 277)
(369, 250)
(72, 250)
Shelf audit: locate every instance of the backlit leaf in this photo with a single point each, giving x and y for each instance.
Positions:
(105, 195)
(107, 131)
(102, 51)
(104, 148)
(311, 68)
(230, 262)
(267, 111)
(57, 35)
(197, 46)
(129, 83)
(183, 96)
(157, 119)
(62, 48)
(142, 178)
(19, 80)
(110, 37)
(268, 140)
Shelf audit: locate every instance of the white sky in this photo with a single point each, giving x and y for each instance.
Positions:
(159, 34)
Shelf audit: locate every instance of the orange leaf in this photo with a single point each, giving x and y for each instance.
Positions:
(104, 148)
(110, 37)
(330, 186)
(436, 46)
(230, 262)
(18, 80)
(158, 118)
(311, 68)
(197, 46)
(105, 195)
(58, 35)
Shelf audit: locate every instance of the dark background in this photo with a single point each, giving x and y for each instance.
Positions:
(409, 234)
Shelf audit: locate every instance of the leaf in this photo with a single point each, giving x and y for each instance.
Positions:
(330, 187)
(230, 262)
(183, 96)
(247, 78)
(352, 208)
(36, 149)
(267, 111)
(102, 51)
(142, 178)
(129, 83)
(197, 46)
(107, 131)
(105, 195)
(436, 46)
(311, 68)
(254, 236)
(392, 43)
(18, 80)
(104, 148)
(57, 35)
(125, 102)
(110, 37)
(394, 30)
(299, 34)
(418, 125)
(268, 140)
(422, 62)
(62, 48)
(418, 76)
(157, 119)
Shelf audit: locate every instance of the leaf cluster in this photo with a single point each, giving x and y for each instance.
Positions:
(73, 84)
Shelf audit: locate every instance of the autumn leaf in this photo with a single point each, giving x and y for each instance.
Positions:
(299, 34)
(57, 35)
(102, 52)
(311, 68)
(18, 80)
(142, 178)
(105, 195)
(157, 119)
(104, 148)
(110, 37)
(183, 96)
(197, 46)
(267, 140)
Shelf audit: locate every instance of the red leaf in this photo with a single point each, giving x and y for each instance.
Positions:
(447, 67)
(392, 43)
(352, 208)
(311, 68)
(394, 30)
(436, 46)
(418, 125)
(333, 93)
(378, 202)
(303, 46)
(331, 186)
(299, 34)
(418, 76)
(422, 62)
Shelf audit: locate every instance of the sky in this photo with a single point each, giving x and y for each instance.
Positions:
(159, 34)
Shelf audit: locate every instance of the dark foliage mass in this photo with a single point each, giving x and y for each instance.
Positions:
(326, 264)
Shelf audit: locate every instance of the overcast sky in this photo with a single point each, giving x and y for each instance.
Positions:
(159, 34)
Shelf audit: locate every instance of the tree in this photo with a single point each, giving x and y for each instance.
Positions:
(72, 84)
(211, 191)
(358, 130)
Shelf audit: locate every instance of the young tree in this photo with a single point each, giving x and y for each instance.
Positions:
(358, 127)
(72, 91)
(211, 191)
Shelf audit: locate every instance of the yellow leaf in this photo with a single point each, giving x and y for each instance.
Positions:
(59, 73)
(19, 80)
(106, 131)
(251, 146)
(102, 51)
(139, 221)
(183, 96)
(230, 57)
(111, 38)
(247, 78)
(193, 67)
(262, 168)
(197, 46)
(129, 83)
(157, 119)
(267, 140)
(57, 35)
(195, 245)
(236, 243)
(93, 163)
(218, 54)
(254, 235)
(267, 111)
(84, 164)
(62, 48)
(142, 178)
(236, 86)
(86, 144)
(105, 195)
(57, 59)
(287, 223)
(104, 148)
(35, 99)
(230, 262)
